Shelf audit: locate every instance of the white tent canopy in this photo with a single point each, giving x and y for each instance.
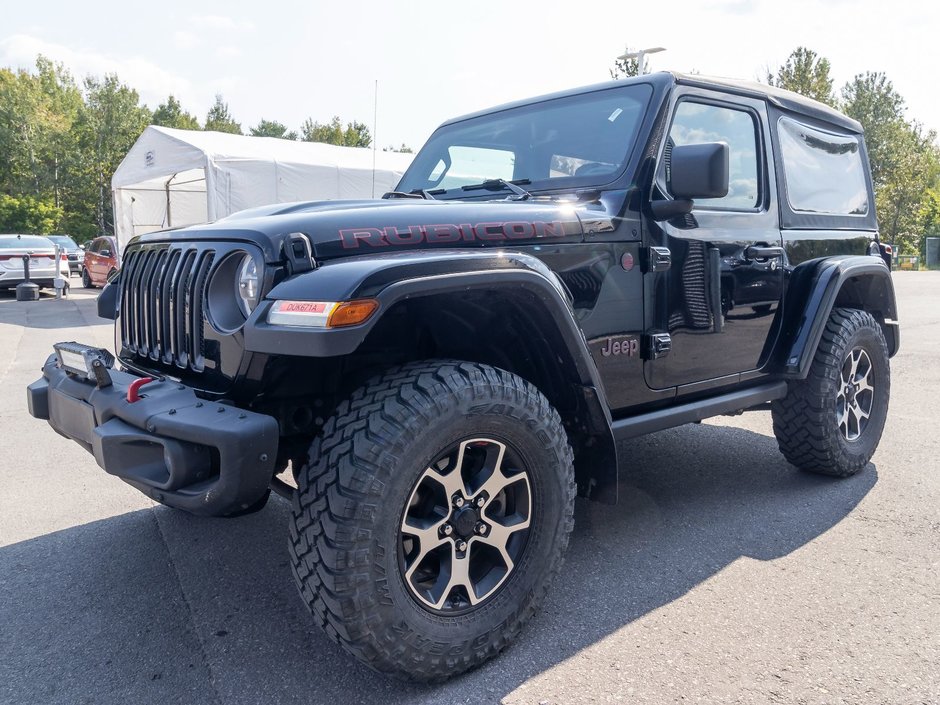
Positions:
(173, 178)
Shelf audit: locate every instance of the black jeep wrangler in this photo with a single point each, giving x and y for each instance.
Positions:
(441, 371)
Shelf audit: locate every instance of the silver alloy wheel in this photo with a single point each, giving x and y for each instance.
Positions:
(856, 394)
(466, 524)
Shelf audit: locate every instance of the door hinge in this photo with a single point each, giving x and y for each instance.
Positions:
(656, 259)
(656, 345)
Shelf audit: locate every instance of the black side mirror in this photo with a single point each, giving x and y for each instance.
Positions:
(700, 170)
(695, 171)
(104, 253)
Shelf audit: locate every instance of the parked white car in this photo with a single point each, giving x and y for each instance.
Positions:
(43, 267)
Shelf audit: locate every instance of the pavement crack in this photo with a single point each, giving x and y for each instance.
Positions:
(217, 696)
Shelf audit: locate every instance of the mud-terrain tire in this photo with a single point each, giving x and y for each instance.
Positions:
(821, 425)
(384, 465)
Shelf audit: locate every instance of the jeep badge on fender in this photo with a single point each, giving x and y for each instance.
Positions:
(629, 347)
(420, 366)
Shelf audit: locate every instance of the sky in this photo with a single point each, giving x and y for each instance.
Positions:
(288, 61)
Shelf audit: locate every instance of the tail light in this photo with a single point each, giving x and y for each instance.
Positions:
(887, 254)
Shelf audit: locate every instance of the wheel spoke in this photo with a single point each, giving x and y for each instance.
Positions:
(859, 412)
(855, 356)
(459, 577)
(865, 364)
(498, 537)
(844, 421)
(497, 480)
(452, 481)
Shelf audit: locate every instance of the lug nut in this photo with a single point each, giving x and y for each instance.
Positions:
(481, 528)
(458, 501)
(461, 546)
(480, 501)
(447, 529)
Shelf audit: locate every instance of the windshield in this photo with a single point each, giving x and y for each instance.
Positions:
(63, 241)
(575, 141)
(29, 242)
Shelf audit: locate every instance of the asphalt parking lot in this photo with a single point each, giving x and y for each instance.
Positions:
(724, 575)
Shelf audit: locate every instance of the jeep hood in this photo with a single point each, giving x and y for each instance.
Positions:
(348, 228)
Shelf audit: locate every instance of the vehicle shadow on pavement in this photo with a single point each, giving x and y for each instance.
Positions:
(159, 606)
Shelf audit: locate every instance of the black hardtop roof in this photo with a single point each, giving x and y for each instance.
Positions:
(783, 99)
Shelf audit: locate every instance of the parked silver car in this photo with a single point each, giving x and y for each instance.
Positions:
(43, 266)
(73, 251)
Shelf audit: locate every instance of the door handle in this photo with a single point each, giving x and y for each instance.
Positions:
(758, 252)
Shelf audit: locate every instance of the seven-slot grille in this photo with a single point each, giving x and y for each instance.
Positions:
(163, 299)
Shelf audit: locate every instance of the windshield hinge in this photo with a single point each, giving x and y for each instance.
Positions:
(299, 256)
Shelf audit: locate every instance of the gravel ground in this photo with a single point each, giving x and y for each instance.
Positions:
(723, 576)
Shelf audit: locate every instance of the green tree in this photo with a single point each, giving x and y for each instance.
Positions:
(905, 161)
(625, 68)
(219, 119)
(171, 114)
(404, 149)
(28, 214)
(806, 73)
(327, 133)
(112, 121)
(272, 128)
(355, 134)
(930, 217)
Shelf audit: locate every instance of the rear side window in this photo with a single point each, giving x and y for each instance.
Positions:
(823, 171)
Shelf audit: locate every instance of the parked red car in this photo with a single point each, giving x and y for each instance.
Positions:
(101, 261)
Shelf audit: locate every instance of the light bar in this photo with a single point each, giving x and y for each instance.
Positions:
(321, 314)
(79, 359)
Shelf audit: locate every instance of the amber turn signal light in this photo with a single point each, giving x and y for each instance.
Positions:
(351, 313)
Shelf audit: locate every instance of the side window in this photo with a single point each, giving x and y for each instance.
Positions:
(823, 171)
(694, 123)
(93, 247)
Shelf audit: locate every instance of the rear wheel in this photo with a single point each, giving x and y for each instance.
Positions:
(431, 516)
(831, 422)
(86, 279)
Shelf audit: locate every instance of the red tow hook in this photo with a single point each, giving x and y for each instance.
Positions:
(133, 390)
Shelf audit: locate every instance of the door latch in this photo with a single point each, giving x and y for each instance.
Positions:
(656, 345)
(658, 259)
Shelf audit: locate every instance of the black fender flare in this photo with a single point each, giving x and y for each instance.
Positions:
(816, 287)
(395, 278)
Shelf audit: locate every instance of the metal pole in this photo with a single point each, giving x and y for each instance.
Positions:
(375, 120)
(58, 289)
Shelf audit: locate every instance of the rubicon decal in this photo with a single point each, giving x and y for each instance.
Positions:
(411, 235)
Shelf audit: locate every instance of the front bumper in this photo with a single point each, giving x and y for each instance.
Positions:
(205, 458)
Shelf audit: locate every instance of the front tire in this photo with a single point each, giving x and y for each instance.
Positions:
(419, 572)
(831, 422)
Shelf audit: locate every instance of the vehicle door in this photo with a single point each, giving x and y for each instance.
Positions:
(715, 278)
(91, 257)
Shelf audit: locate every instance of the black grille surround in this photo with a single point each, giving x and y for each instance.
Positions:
(163, 317)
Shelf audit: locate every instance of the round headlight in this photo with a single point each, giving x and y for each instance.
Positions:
(247, 285)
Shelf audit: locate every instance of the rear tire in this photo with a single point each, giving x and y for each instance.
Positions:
(831, 422)
(376, 536)
(86, 280)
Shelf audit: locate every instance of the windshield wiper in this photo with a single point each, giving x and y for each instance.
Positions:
(499, 185)
(416, 193)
